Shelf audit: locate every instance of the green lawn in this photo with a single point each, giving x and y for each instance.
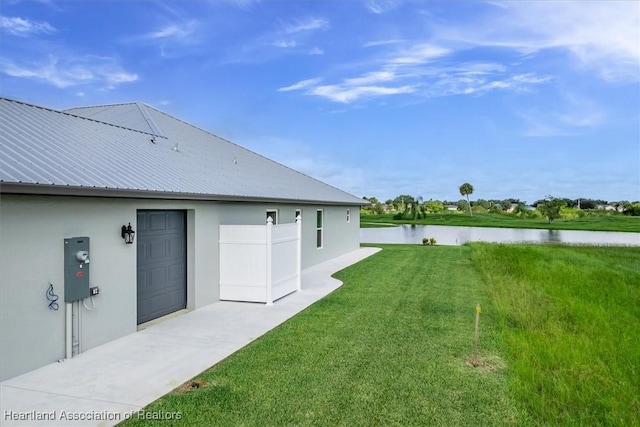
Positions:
(570, 321)
(391, 346)
(591, 223)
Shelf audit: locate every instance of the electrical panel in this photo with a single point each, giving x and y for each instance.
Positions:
(76, 269)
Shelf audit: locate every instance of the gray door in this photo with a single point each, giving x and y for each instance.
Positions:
(162, 263)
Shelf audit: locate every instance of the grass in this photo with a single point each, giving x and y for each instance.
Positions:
(559, 332)
(570, 318)
(591, 223)
(389, 348)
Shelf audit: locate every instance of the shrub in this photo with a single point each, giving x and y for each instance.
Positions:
(426, 241)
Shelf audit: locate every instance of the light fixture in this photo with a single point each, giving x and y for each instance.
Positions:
(127, 234)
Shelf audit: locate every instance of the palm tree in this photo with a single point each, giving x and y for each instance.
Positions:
(465, 190)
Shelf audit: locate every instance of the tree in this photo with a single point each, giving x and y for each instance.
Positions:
(375, 206)
(465, 190)
(520, 210)
(463, 205)
(434, 206)
(402, 202)
(482, 202)
(551, 207)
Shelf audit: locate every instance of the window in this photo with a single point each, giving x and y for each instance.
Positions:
(298, 214)
(319, 229)
(348, 215)
(273, 214)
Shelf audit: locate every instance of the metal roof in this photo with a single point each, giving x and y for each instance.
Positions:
(133, 150)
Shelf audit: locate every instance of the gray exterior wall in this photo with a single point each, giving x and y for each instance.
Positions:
(32, 230)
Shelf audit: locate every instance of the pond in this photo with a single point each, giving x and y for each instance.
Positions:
(450, 235)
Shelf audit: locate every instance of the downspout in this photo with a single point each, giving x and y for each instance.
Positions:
(299, 253)
(269, 278)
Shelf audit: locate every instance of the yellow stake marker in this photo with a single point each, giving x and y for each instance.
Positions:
(475, 361)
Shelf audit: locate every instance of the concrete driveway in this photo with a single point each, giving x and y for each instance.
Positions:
(109, 383)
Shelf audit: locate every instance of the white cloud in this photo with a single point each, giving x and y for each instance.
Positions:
(309, 24)
(421, 69)
(370, 78)
(573, 116)
(72, 71)
(463, 83)
(603, 36)
(178, 31)
(291, 37)
(419, 54)
(300, 85)
(382, 42)
(24, 27)
(381, 6)
(346, 93)
(285, 44)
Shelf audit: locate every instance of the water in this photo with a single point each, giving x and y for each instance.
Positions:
(448, 235)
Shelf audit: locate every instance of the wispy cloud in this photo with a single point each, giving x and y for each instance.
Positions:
(242, 4)
(291, 37)
(24, 27)
(382, 42)
(346, 93)
(381, 6)
(371, 78)
(462, 82)
(180, 31)
(285, 44)
(300, 85)
(421, 69)
(419, 54)
(72, 71)
(303, 25)
(573, 116)
(602, 36)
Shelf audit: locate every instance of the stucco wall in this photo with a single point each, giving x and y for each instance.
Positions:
(32, 231)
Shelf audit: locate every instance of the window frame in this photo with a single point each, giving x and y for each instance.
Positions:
(319, 228)
(275, 217)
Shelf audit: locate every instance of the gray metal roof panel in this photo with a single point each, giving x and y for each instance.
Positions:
(132, 115)
(42, 146)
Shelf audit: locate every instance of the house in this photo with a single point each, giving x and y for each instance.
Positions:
(608, 208)
(76, 185)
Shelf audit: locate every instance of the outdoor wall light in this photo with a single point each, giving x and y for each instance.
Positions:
(127, 234)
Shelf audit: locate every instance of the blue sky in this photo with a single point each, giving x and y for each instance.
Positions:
(379, 98)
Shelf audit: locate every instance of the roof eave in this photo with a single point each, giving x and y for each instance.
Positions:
(81, 191)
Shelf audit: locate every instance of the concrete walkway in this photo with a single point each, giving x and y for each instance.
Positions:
(106, 384)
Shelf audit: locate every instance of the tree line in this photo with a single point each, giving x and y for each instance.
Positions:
(406, 206)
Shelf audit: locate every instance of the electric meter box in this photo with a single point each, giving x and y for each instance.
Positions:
(76, 268)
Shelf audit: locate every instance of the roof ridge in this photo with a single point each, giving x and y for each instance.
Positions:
(65, 112)
(147, 117)
(104, 105)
